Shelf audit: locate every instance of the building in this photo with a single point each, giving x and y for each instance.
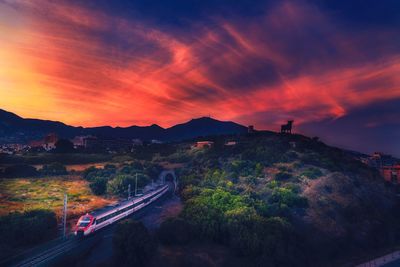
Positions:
(391, 173)
(231, 143)
(380, 160)
(250, 129)
(50, 141)
(204, 144)
(91, 142)
(137, 142)
(78, 141)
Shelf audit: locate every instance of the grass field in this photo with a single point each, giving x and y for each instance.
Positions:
(47, 193)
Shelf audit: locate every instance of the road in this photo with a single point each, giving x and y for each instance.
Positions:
(93, 249)
(389, 260)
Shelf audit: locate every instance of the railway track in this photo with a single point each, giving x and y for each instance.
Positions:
(47, 255)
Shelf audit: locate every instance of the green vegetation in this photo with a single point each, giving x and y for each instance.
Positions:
(267, 200)
(47, 158)
(28, 228)
(312, 173)
(98, 185)
(19, 170)
(132, 243)
(283, 176)
(119, 185)
(53, 169)
(279, 204)
(175, 231)
(115, 181)
(64, 146)
(19, 194)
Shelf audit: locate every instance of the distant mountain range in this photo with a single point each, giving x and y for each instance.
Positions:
(14, 129)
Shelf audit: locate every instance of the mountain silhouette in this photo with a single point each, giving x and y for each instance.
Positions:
(14, 129)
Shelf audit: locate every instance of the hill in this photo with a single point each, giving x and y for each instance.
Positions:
(286, 200)
(14, 129)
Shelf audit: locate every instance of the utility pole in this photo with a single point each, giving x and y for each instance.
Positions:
(129, 191)
(136, 186)
(65, 215)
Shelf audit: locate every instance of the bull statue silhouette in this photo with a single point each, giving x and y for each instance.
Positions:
(287, 128)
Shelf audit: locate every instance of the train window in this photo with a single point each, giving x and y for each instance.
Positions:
(83, 223)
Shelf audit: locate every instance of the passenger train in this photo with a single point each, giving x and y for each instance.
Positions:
(91, 222)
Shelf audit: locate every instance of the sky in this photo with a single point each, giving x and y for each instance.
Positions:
(331, 66)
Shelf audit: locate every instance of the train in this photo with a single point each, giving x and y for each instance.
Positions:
(97, 219)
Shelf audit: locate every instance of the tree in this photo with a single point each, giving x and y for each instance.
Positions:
(133, 245)
(54, 169)
(175, 231)
(119, 185)
(28, 228)
(64, 146)
(206, 212)
(245, 229)
(20, 170)
(98, 185)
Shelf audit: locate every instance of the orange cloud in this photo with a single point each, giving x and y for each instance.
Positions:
(85, 67)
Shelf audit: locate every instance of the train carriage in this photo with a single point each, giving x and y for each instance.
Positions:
(91, 222)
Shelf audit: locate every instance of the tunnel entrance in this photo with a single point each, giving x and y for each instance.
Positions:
(169, 178)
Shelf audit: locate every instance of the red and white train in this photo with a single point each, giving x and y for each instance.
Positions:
(98, 219)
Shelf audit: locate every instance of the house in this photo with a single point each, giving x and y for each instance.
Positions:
(231, 143)
(204, 144)
(137, 142)
(250, 129)
(50, 141)
(391, 173)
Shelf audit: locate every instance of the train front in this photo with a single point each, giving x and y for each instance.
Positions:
(84, 226)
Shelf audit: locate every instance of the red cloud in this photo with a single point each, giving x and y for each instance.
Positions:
(86, 67)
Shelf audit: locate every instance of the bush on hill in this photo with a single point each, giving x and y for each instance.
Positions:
(132, 243)
(28, 228)
(175, 231)
(312, 173)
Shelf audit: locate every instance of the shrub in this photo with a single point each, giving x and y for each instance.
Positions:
(98, 185)
(279, 244)
(20, 170)
(286, 197)
(282, 176)
(206, 211)
(244, 229)
(119, 185)
(54, 169)
(64, 146)
(132, 243)
(189, 192)
(175, 231)
(28, 228)
(87, 172)
(92, 172)
(312, 173)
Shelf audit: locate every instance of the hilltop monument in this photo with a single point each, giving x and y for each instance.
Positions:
(287, 128)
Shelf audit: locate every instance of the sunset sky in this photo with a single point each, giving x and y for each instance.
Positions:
(332, 66)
